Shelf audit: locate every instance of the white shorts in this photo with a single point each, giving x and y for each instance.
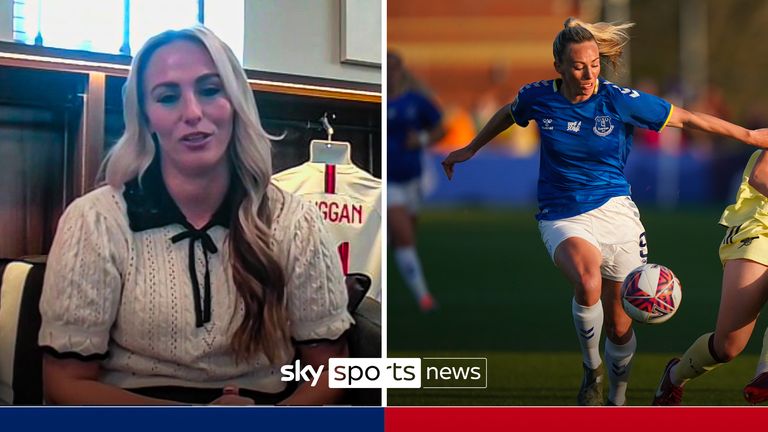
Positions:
(407, 194)
(615, 230)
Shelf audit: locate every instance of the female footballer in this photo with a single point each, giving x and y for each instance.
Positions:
(744, 254)
(414, 122)
(589, 224)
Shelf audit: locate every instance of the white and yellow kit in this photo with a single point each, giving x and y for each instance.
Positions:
(349, 199)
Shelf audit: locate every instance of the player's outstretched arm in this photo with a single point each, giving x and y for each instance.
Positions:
(682, 118)
(500, 122)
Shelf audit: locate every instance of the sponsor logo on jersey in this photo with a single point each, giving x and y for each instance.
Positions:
(603, 126)
(341, 213)
(546, 124)
(574, 126)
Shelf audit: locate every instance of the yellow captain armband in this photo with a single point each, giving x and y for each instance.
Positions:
(669, 116)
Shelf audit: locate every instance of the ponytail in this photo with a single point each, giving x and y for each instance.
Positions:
(610, 38)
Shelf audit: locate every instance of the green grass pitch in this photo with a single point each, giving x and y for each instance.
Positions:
(500, 297)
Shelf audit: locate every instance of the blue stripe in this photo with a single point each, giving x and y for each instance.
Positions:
(143, 419)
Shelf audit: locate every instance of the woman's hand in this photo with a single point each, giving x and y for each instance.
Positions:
(232, 396)
(500, 122)
(233, 400)
(759, 138)
(456, 156)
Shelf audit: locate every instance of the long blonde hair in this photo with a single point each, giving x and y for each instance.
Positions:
(610, 38)
(257, 274)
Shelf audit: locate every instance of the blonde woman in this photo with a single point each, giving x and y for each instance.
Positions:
(588, 222)
(188, 277)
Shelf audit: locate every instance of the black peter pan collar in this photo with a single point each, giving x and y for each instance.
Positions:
(150, 205)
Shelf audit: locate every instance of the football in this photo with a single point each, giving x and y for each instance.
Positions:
(651, 294)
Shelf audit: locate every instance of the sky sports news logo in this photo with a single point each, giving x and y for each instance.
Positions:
(427, 373)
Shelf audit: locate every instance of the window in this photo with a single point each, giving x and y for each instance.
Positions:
(150, 17)
(227, 19)
(100, 25)
(25, 20)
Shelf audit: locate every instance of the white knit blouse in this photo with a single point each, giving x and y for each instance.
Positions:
(127, 296)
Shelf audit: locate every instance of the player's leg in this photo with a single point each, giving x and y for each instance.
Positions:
(579, 260)
(401, 209)
(620, 342)
(748, 244)
(624, 249)
(739, 309)
(744, 292)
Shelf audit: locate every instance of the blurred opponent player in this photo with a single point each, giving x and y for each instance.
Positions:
(589, 224)
(744, 253)
(413, 123)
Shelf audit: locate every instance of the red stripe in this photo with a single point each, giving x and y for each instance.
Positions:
(624, 419)
(330, 179)
(344, 256)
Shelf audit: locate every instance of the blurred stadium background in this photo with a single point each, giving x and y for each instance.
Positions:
(499, 295)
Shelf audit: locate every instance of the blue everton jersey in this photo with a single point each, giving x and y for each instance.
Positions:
(585, 145)
(409, 113)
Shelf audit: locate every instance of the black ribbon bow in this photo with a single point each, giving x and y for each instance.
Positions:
(149, 206)
(202, 306)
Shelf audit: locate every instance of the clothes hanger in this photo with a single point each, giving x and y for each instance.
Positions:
(329, 151)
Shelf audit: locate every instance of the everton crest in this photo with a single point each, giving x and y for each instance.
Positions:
(603, 126)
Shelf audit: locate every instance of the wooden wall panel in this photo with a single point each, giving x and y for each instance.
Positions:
(31, 150)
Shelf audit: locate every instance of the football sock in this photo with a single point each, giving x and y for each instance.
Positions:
(698, 360)
(410, 268)
(618, 359)
(589, 324)
(762, 363)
